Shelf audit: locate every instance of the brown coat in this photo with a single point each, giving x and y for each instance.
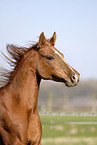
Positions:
(19, 119)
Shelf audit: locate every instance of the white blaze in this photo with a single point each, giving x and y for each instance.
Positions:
(63, 59)
(76, 77)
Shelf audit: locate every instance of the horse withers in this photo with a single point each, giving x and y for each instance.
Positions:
(19, 119)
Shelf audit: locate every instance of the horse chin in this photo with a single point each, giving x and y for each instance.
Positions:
(69, 84)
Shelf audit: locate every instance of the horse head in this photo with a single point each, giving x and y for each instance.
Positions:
(51, 64)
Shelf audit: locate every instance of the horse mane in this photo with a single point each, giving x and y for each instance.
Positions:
(16, 53)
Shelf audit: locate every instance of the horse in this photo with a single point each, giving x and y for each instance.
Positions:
(19, 119)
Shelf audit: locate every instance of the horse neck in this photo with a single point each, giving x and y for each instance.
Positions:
(25, 84)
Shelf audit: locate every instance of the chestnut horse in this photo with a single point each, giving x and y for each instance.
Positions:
(19, 119)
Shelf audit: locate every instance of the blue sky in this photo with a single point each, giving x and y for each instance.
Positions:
(75, 22)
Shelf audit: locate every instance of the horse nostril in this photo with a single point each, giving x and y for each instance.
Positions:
(73, 78)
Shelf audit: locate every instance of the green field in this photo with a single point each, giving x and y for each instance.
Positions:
(66, 130)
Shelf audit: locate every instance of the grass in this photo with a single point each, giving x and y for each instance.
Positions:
(75, 143)
(69, 131)
(62, 119)
(54, 128)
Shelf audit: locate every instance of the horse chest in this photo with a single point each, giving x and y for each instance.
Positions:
(15, 122)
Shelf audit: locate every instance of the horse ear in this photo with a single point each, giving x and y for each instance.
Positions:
(53, 39)
(42, 39)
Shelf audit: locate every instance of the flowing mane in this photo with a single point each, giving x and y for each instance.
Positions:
(16, 53)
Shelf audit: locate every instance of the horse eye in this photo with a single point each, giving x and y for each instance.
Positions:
(50, 58)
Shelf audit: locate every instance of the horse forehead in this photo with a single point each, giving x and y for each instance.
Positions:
(58, 53)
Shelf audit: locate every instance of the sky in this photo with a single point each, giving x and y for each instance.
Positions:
(74, 21)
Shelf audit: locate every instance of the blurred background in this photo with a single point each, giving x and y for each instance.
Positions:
(56, 98)
(75, 23)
